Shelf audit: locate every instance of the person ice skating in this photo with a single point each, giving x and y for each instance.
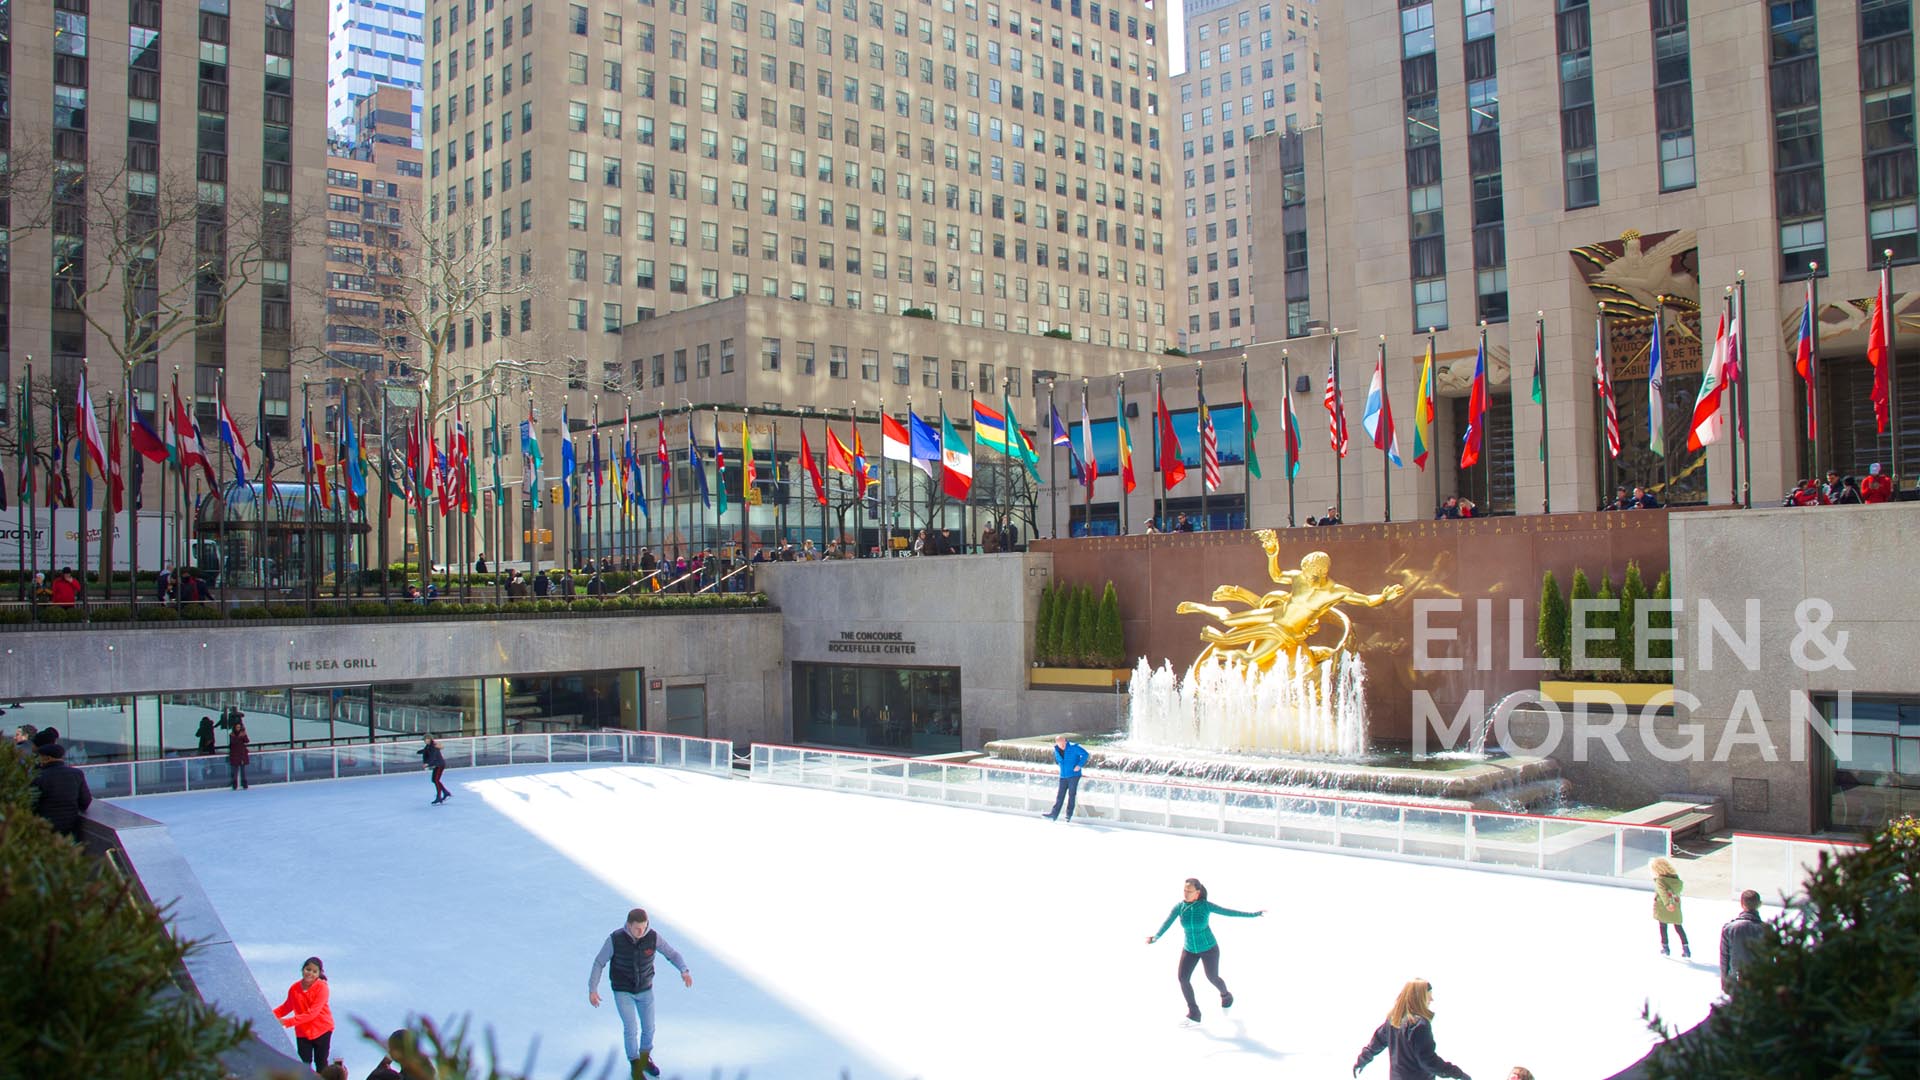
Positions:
(1200, 946)
(431, 756)
(1407, 1037)
(628, 954)
(1743, 934)
(238, 756)
(204, 734)
(307, 1012)
(1667, 887)
(1071, 757)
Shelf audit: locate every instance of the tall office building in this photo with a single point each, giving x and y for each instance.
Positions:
(201, 121)
(373, 188)
(1553, 157)
(1252, 68)
(371, 45)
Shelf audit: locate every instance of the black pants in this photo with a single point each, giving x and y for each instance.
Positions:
(314, 1051)
(1678, 929)
(1211, 960)
(1069, 793)
(440, 789)
(237, 776)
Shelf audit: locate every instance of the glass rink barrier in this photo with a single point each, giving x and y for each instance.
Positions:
(1571, 847)
(162, 776)
(1777, 867)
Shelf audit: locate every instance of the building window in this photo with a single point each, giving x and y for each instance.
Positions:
(1673, 93)
(1887, 139)
(1580, 163)
(1798, 168)
(1430, 304)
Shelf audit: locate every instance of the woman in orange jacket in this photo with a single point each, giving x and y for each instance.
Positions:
(307, 1013)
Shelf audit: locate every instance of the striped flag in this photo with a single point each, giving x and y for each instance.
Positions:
(1708, 421)
(1423, 397)
(1656, 391)
(1377, 420)
(1603, 385)
(1806, 361)
(1475, 439)
(1336, 411)
(1209, 448)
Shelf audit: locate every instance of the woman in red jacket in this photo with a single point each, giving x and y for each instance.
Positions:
(307, 1013)
(238, 756)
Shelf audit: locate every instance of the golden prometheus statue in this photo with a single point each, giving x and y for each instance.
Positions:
(1279, 624)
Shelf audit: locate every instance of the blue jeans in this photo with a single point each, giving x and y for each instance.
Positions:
(1069, 793)
(628, 1005)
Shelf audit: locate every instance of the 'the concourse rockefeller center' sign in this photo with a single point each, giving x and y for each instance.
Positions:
(890, 642)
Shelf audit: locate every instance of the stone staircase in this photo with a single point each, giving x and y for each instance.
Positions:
(1686, 815)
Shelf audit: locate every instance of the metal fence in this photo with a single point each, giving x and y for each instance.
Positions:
(163, 776)
(1533, 843)
(1777, 866)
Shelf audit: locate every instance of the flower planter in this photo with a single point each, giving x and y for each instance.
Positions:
(1632, 694)
(1078, 678)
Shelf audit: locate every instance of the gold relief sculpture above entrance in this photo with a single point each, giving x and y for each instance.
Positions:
(1276, 629)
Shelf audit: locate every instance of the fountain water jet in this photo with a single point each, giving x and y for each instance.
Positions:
(1297, 706)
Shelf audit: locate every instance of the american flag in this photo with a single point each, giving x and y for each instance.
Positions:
(1336, 412)
(1603, 385)
(1209, 448)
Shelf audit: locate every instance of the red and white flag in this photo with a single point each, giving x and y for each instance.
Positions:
(1880, 355)
(1209, 449)
(87, 427)
(188, 434)
(1806, 362)
(1603, 385)
(1709, 419)
(894, 445)
(1336, 411)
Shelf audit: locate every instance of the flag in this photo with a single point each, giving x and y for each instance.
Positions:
(1880, 355)
(1124, 439)
(465, 449)
(57, 493)
(926, 444)
(86, 426)
(1336, 409)
(115, 488)
(895, 444)
(956, 463)
(1378, 418)
(358, 464)
(567, 460)
(598, 486)
(1475, 439)
(146, 442)
(1252, 420)
(1656, 388)
(1708, 422)
(861, 470)
(1805, 363)
(1060, 436)
(839, 458)
(23, 451)
(1209, 449)
(666, 471)
(1423, 396)
(316, 464)
(1089, 464)
(236, 446)
(351, 459)
(530, 459)
(719, 467)
(187, 439)
(1018, 445)
(749, 472)
(1172, 469)
(813, 469)
(1290, 426)
(990, 428)
(1603, 386)
(695, 465)
(264, 441)
(1736, 344)
(1539, 389)
(493, 453)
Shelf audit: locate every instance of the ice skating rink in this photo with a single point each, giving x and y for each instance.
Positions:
(834, 934)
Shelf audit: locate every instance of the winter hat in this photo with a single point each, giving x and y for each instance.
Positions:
(53, 752)
(1873, 469)
(45, 737)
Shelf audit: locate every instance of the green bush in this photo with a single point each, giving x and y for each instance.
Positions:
(1660, 649)
(1173, 351)
(110, 613)
(1043, 627)
(917, 313)
(158, 613)
(1838, 994)
(1554, 627)
(1086, 627)
(1058, 334)
(1606, 620)
(86, 967)
(1633, 592)
(1582, 589)
(1111, 638)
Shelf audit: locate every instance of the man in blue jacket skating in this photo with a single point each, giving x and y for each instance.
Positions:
(1071, 757)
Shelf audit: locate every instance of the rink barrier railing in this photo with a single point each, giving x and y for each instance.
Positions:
(162, 776)
(1777, 866)
(1580, 848)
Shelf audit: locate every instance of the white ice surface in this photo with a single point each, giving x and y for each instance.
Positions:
(895, 939)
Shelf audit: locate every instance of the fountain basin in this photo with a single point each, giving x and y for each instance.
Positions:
(1459, 781)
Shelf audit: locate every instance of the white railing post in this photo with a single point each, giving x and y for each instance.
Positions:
(1222, 826)
(1539, 843)
(1400, 833)
(1472, 835)
(1619, 853)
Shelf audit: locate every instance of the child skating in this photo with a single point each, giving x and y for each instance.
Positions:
(1200, 947)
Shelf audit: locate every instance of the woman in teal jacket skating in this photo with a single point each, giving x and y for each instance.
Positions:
(1201, 948)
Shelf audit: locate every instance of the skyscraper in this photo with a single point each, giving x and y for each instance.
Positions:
(370, 45)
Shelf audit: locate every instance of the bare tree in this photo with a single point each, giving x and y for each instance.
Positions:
(451, 305)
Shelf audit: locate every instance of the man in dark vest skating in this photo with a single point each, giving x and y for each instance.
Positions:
(628, 952)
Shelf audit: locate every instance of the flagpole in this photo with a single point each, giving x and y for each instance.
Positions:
(1005, 509)
(1246, 446)
(31, 539)
(133, 495)
(1660, 335)
(973, 455)
(1546, 455)
(1732, 394)
(1893, 367)
(1386, 463)
(1088, 475)
(1121, 438)
(220, 481)
(1159, 451)
(306, 474)
(108, 516)
(1200, 395)
(1605, 348)
(1286, 452)
(1486, 441)
(746, 527)
(937, 491)
(1339, 459)
(1745, 435)
(1811, 420)
(1053, 460)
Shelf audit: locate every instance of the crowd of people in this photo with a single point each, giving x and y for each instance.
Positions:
(1843, 490)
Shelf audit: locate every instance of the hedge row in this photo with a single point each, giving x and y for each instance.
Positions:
(363, 609)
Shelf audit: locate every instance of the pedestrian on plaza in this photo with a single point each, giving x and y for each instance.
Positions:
(1743, 934)
(1621, 500)
(1407, 1037)
(1831, 489)
(1183, 523)
(61, 795)
(1200, 947)
(541, 587)
(66, 588)
(1667, 888)
(238, 756)
(204, 734)
(480, 563)
(1071, 757)
(431, 757)
(1449, 509)
(628, 954)
(1877, 487)
(1849, 493)
(309, 1014)
(23, 743)
(400, 1051)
